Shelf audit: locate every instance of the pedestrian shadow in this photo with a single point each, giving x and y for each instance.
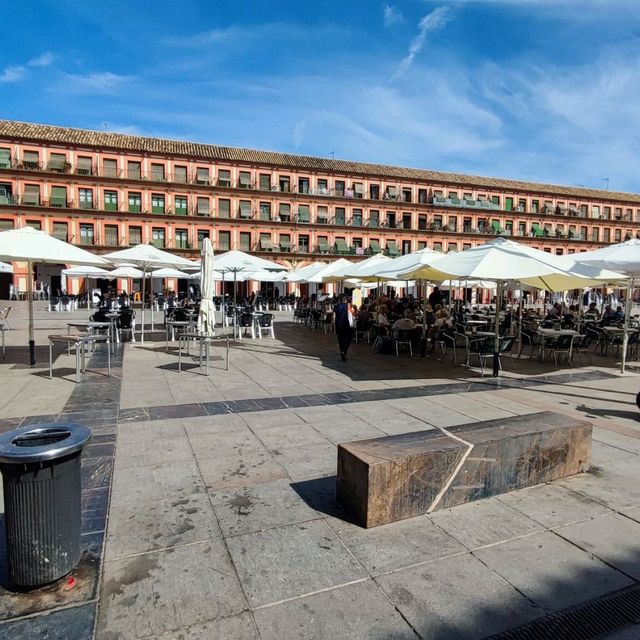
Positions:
(610, 413)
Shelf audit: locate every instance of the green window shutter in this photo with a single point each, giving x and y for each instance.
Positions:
(5, 158)
(341, 246)
(496, 226)
(58, 197)
(374, 245)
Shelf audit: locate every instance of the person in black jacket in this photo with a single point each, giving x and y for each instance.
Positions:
(344, 331)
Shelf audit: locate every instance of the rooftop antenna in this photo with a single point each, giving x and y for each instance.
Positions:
(106, 126)
(607, 181)
(332, 154)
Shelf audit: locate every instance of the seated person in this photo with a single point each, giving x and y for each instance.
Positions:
(555, 312)
(405, 323)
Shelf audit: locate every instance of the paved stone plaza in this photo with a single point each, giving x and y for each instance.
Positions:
(209, 502)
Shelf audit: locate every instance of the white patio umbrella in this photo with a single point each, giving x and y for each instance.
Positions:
(147, 258)
(502, 260)
(30, 245)
(353, 269)
(396, 268)
(299, 275)
(168, 273)
(125, 272)
(86, 271)
(237, 262)
(625, 258)
(328, 269)
(206, 317)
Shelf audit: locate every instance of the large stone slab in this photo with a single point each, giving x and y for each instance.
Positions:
(387, 479)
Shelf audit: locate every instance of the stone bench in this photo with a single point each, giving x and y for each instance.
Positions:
(387, 479)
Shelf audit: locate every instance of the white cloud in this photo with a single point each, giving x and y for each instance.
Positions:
(433, 21)
(392, 16)
(43, 60)
(95, 83)
(12, 74)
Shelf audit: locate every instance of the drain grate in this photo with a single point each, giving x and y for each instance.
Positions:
(584, 622)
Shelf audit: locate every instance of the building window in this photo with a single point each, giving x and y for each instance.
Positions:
(303, 185)
(110, 200)
(203, 206)
(157, 203)
(31, 194)
(340, 184)
(157, 237)
(84, 166)
(535, 206)
(595, 234)
(110, 168)
(303, 213)
(224, 178)
(34, 224)
(356, 218)
(508, 204)
(374, 218)
(30, 160)
(134, 171)
(406, 194)
(421, 245)
(157, 172)
(58, 163)
(391, 219)
(284, 183)
(391, 193)
(265, 242)
(303, 244)
(135, 235)
(607, 213)
(86, 198)
(245, 241)
(322, 215)
(202, 176)
(406, 247)
(617, 235)
(606, 235)
(323, 187)
(265, 182)
(224, 240)
(284, 242)
(58, 197)
(453, 223)
(595, 211)
(406, 220)
(244, 209)
(181, 205)
(60, 231)
(180, 174)
(5, 158)
(86, 234)
(265, 211)
(340, 217)
(284, 211)
(244, 180)
(182, 239)
(224, 208)
(111, 235)
(358, 190)
(374, 191)
(135, 202)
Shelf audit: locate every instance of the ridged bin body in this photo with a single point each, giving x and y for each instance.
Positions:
(42, 519)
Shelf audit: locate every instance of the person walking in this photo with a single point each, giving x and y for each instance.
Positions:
(344, 330)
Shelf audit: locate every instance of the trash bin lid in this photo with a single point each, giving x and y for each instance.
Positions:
(41, 442)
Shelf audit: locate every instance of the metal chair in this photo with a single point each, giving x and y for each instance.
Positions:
(562, 346)
(245, 321)
(528, 339)
(402, 337)
(265, 325)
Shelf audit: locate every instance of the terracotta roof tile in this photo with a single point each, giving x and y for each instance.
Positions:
(38, 133)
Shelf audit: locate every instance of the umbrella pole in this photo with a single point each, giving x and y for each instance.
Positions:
(144, 278)
(32, 341)
(496, 347)
(627, 314)
(235, 311)
(152, 329)
(580, 309)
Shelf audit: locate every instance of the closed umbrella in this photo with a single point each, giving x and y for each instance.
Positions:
(147, 258)
(30, 245)
(206, 317)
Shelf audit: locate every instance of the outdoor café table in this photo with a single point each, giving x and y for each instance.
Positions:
(113, 318)
(89, 326)
(204, 341)
(256, 315)
(556, 333)
(171, 327)
(80, 342)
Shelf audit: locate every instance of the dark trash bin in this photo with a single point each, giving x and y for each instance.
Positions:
(40, 466)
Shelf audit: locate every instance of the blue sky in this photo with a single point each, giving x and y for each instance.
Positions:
(544, 90)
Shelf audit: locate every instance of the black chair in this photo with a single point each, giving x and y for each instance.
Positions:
(125, 324)
(562, 346)
(447, 340)
(581, 346)
(482, 348)
(530, 340)
(363, 327)
(245, 321)
(402, 337)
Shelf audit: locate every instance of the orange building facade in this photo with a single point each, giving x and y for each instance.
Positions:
(105, 191)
